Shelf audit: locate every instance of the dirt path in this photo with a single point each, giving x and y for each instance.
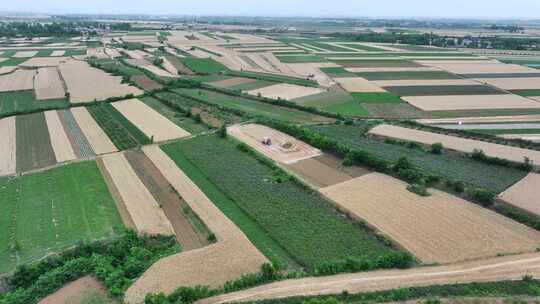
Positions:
(495, 269)
(170, 201)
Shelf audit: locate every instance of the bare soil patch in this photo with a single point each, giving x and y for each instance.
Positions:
(48, 84)
(358, 84)
(424, 82)
(149, 121)
(317, 173)
(8, 146)
(77, 291)
(17, 81)
(513, 83)
(97, 138)
(146, 83)
(25, 54)
(471, 102)
(63, 150)
(232, 82)
(524, 194)
(285, 91)
(439, 228)
(283, 148)
(39, 62)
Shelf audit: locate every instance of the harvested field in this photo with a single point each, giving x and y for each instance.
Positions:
(358, 84)
(25, 54)
(234, 81)
(424, 82)
(178, 65)
(60, 142)
(146, 83)
(173, 205)
(78, 74)
(285, 91)
(53, 210)
(7, 69)
(418, 74)
(186, 123)
(8, 147)
(150, 122)
(168, 66)
(376, 63)
(439, 228)
(232, 256)
(388, 70)
(513, 83)
(99, 141)
(317, 174)
(478, 67)
(143, 63)
(58, 53)
(472, 120)
(456, 143)
(442, 90)
(524, 194)
(17, 81)
(38, 62)
(78, 292)
(473, 102)
(144, 210)
(34, 148)
(283, 148)
(48, 85)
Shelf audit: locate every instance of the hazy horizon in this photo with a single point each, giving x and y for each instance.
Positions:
(455, 9)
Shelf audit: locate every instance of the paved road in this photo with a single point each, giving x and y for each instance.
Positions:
(495, 269)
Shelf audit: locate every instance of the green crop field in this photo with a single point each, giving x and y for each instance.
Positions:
(25, 101)
(121, 131)
(203, 65)
(274, 78)
(301, 222)
(301, 59)
(375, 63)
(252, 85)
(253, 107)
(527, 93)
(363, 47)
(48, 211)
(407, 75)
(7, 53)
(186, 123)
(321, 45)
(13, 61)
(443, 90)
(349, 108)
(495, 178)
(72, 52)
(337, 72)
(34, 148)
(382, 97)
(324, 99)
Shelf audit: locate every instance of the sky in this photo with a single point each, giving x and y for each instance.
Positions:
(500, 9)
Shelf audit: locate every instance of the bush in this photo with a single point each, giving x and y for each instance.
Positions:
(437, 148)
(222, 131)
(483, 196)
(418, 188)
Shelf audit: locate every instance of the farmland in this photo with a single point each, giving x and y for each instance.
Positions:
(25, 101)
(252, 107)
(34, 148)
(203, 65)
(186, 123)
(121, 131)
(280, 207)
(453, 167)
(68, 204)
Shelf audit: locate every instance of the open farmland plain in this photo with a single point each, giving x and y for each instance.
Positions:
(524, 194)
(48, 85)
(67, 204)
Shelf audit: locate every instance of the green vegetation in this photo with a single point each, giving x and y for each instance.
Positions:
(48, 211)
(363, 47)
(208, 51)
(251, 107)
(44, 53)
(120, 130)
(526, 93)
(13, 61)
(301, 222)
(382, 97)
(116, 263)
(203, 65)
(453, 167)
(274, 78)
(349, 108)
(257, 84)
(180, 119)
(34, 149)
(405, 75)
(21, 102)
(372, 63)
(505, 131)
(75, 52)
(523, 288)
(443, 90)
(301, 59)
(337, 72)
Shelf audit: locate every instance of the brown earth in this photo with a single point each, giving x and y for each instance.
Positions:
(490, 270)
(146, 83)
(77, 291)
(179, 65)
(168, 198)
(317, 173)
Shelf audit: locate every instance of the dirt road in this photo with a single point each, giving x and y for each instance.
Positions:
(495, 269)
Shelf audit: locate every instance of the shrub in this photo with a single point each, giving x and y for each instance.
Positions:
(222, 131)
(437, 148)
(418, 188)
(483, 196)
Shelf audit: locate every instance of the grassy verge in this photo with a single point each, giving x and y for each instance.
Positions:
(382, 97)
